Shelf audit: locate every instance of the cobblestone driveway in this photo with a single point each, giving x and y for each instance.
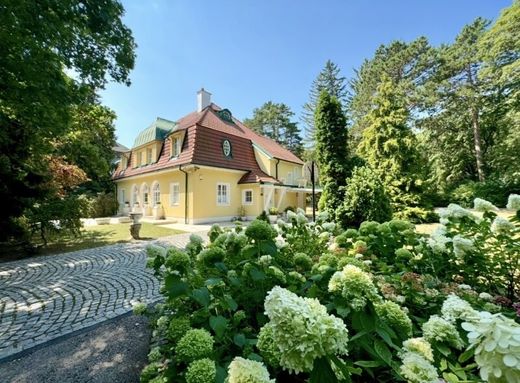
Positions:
(45, 297)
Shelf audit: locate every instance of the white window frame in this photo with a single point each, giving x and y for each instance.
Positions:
(149, 155)
(176, 146)
(244, 197)
(122, 196)
(175, 196)
(156, 193)
(220, 202)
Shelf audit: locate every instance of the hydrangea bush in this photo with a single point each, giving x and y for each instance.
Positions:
(303, 301)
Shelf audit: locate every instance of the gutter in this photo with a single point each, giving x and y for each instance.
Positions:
(185, 194)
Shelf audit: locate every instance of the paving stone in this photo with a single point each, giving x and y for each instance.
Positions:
(46, 297)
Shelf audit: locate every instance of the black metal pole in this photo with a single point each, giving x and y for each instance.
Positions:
(313, 193)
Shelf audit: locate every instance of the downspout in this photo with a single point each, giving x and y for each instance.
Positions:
(276, 168)
(185, 194)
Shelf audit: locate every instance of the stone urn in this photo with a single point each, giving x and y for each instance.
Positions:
(135, 226)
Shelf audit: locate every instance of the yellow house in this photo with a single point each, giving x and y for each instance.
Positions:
(207, 167)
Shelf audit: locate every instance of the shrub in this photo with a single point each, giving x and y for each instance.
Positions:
(495, 191)
(195, 344)
(365, 199)
(263, 216)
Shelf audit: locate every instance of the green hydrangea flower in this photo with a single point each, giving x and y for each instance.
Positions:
(195, 344)
(440, 330)
(267, 344)
(260, 231)
(355, 285)
(150, 372)
(419, 346)
(416, 369)
(201, 371)
(277, 273)
(329, 260)
(153, 251)
(242, 370)
(393, 315)
(302, 261)
(178, 327)
(155, 354)
(368, 227)
(162, 323)
(140, 308)
(209, 257)
(303, 329)
(296, 276)
(403, 254)
(399, 225)
(177, 260)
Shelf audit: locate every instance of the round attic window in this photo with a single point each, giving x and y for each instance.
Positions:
(226, 148)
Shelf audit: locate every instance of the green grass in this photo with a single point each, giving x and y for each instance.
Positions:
(91, 236)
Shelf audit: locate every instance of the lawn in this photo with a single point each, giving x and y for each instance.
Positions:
(93, 236)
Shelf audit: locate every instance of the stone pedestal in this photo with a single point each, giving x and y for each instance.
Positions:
(134, 230)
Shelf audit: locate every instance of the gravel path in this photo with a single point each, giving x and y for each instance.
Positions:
(112, 352)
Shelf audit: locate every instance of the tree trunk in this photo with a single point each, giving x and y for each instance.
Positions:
(478, 144)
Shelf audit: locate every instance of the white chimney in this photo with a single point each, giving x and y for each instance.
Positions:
(203, 99)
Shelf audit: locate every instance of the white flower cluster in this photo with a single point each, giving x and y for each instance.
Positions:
(303, 329)
(455, 308)
(497, 346)
(265, 260)
(456, 211)
(355, 285)
(462, 245)
(242, 370)
(440, 330)
(329, 226)
(417, 356)
(502, 225)
(513, 202)
(483, 206)
(438, 240)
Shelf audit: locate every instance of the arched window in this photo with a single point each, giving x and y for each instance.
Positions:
(135, 195)
(156, 194)
(145, 193)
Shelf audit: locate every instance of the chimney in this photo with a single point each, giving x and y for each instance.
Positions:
(203, 99)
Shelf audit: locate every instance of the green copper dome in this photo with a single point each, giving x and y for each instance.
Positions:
(157, 131)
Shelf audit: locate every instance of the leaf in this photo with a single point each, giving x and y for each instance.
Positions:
(368, 363)
(268, 247)
(220, 266)
(345, 370)
(212, 281)
(256, 274)
(322, 372)
(218, 324)
(201, 296)
(358, 335)
(221, 374)
(466, 355)
(175, 286)
(239, 340)
(254, 356)
(386, 337)
(367, 321)
(450, 377)
(443, 350)
(383, 351)
(230, 302)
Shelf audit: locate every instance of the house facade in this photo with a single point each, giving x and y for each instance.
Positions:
(207, 167)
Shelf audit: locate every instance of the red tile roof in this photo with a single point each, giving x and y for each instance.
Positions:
(205, 129)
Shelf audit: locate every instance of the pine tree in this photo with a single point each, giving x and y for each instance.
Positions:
(330, 80)
(389, 146)
(273, 120)
(331, 151)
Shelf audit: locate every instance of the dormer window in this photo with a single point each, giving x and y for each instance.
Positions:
(149, 156)
(176, 146)
(124, 162)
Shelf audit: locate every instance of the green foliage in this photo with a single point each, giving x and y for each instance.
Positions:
(101, 205)
(331, 153)
(495, 191)
(365, 199)
(38, 100)
(331, 81)
(274, 121)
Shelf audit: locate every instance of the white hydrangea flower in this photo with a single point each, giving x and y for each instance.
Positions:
(281, 223)
(242, 370)
(333, 247)
(416, 369)
(291, 215)
(280, 243)
(502, 225)
(322, 216)
(438, 240)
(440, 330)
(485, 296)
(483, 206)
(462, 245)
(265, 260)
(303, 329)
(419, 346)
(513, 202)
(455, 308)
(455, 211)
(462, 286)
(355, 285)
(367, 262)
(329, 226)
(496, 340)
(358, 256)
(301, 218)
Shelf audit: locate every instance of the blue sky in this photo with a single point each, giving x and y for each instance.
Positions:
(248, 52)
